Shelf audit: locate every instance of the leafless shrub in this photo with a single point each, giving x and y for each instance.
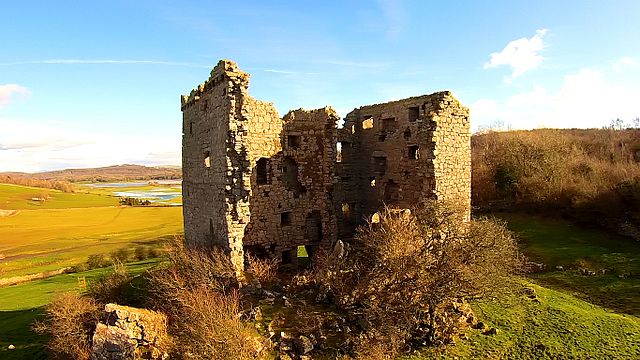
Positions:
(401, 272)
(190, 269)
(70, 321)
(265, 270)
(112, 287)
(210, 327)
(198, 293)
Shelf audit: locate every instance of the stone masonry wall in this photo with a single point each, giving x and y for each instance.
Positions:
(255, 182)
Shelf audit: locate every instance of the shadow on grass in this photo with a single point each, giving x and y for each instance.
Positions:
(594, 265)
(15, 329)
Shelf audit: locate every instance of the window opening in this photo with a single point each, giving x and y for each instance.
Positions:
(414, 113)
(262, 171)
(293, 141)
(207, 159)
(412, 152)
(285, 218)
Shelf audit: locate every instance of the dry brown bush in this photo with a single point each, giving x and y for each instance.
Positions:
(190, 269)
(551, 166)
(112, 287)
(591, 176)
(70, 321)
(402, 273)
(198, 293)
(265, 270)
(210, 327)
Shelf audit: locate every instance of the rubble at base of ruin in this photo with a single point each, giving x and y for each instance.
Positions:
(255, 182)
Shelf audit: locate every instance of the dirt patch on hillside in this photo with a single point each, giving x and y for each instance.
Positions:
(7, 213)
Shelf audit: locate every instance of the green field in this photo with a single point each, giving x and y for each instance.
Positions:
(558, 243)
(16, 197)
(21, 304)
(569, 315)
(551, 324)
(67, 228)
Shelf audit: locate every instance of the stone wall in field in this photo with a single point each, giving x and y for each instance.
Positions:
(254, 182)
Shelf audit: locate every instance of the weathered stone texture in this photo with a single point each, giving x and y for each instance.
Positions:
(253, 181)
(130, 333)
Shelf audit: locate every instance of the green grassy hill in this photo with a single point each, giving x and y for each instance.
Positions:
(68, 227)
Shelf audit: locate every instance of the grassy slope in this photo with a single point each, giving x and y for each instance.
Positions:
(50, 239)
(67, 228)
(21, 304)
(16, 197)
(560, 243)
(556, 325)
(560, 323)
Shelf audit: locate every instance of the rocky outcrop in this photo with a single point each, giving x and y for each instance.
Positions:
(130, 333)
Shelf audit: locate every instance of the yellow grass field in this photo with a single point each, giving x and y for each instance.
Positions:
(66, 228)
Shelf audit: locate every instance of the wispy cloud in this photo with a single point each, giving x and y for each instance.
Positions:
(395, 15)
(107, 62)
(520, 55)
(9, 92)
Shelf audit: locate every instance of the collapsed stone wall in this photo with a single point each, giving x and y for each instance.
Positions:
(253, 181)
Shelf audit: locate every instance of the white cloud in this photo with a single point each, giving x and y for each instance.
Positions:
(9, 92)
(584, 100)
(520, 55)
(625, 62)
(33, 147)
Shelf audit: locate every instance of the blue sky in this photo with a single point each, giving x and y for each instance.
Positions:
(96, 83)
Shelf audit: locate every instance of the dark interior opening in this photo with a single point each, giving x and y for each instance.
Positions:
(293, 141)
(412, 152)
(313, 226)
(380, 165)
(391, 192)
(287, 257)
(414, 113)
(290, 176)
(262, 171)
(285, 218)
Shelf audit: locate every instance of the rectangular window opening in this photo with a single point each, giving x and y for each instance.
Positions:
(207, 159)
(293, 141)
(367, 122)
(414, 113)
(285, 218)
(412, 152)
(380, 165)
(339, 152)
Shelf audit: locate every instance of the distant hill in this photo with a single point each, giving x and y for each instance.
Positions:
(104, 174)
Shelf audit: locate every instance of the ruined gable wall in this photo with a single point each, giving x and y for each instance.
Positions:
(452, 163)
(389, 158)
(400, 153)
(293, 207)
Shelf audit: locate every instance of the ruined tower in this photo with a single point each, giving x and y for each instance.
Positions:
(258, 183)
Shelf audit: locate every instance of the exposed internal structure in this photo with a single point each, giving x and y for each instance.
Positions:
(255, 182)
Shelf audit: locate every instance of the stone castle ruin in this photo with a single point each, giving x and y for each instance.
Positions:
(254, 182)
